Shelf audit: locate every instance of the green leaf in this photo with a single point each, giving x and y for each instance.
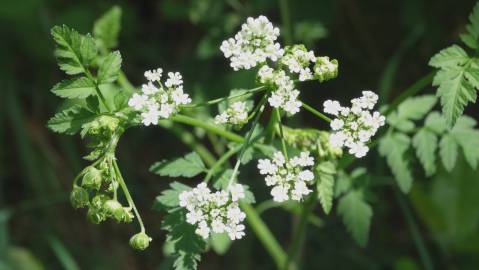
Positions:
(435, 122)
(70, 120)
(356, 215)
(468, 138)
(325, 172)
(74, 52)
(425, 142)
(448, 151)
(187, 245)
(471, 37)
(169, 198)
(109, 68)
(107, 27)
(451, 56)
(75, 88)
(457, 80)
(187, 166)
(393, 147)
(416, 108)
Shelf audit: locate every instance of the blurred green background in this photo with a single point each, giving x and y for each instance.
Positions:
(381, 45)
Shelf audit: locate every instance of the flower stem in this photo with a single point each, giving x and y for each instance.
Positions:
(218, 100)
(125, 190)
(299, 233)
(220, 162)
(316, 112)
(97, 90)
(283, 143)
(179, 118)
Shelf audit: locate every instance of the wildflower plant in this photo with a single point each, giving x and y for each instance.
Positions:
(301, 166)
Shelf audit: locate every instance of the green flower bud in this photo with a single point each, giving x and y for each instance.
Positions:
(108, 122)
(325, 69)
(98, 202)
(95, 216)
(140, 241)
(92, 178)
(111, 206)
(123, 214)
(79, 197)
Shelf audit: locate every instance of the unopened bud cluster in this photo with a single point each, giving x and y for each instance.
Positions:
(215, 212)
(289, 178)
(159, 100)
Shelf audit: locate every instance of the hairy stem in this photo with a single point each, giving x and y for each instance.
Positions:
(316, 112)
(218, 164)
(283, 143)
(209, 127)
(218, 100)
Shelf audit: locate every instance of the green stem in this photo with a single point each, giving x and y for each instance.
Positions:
(283, 143)
(220, 162)
(97, 90)
(286, 19)
(125, 190)
(179, 118)
(218, 100)
(264, 235)
(316, 112)
(413, 228)
(299, 233)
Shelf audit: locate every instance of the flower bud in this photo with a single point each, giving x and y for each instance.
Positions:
(95, 216)
(92, 178)
(98, 201)
(325, 69)
(123, 215)
(111, 207)
(79, 197)
(140, 241)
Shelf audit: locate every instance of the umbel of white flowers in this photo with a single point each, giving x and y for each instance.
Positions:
(157, 100)
(289, 178)
(216, 212)
(354, 126)
(256, 43)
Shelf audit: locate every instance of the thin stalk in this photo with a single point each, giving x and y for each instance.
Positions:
(283, 143)
(125, 190)
(259, 109)
(299, 233)
(264, 235)
(286, 20)
(97, 90)
(218, 100)
(413, 228)
(179, 118)
(220, 162)
(316, 112)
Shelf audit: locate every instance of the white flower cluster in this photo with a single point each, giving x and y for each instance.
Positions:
(325, 68)
(289, 177)
(216, 212)
(253, 44)
(298, 60)
(157, 101)
(285, 96)
(236, 114)
(354, 126)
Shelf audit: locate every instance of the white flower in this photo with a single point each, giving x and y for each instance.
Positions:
(288, 178)
(216, 212)
(235, 114)
(237, 192)
(253, 44)
(157, 102)
(137, 101)
(154, 75)
(354, 126)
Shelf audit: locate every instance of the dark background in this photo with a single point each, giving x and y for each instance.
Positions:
(381, 45)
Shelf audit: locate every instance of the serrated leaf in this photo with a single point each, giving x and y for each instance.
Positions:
(403, 125)
(451, 56)
(109, 68)
(74, 52)
(107, 27)
(457, 79)
(448, 151)
(393, 147)
(169, 198)
(471, 37)
(75, 88)
(70, 120)
(187, 245)
(188, 166)
(221, 182)
(325, 184)
(425, 142)
(467, 138)
(435, 122)
(356, 215)
(415, 108)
